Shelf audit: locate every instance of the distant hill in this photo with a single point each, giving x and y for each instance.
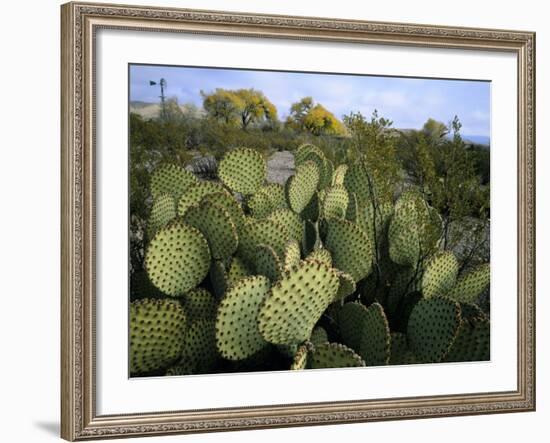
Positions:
(152, 110)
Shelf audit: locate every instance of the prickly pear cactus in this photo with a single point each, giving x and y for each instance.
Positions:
(301, 187)
(172, 180)
(157, 328)
(243, 170)
(350, 248)
(334, 355)
(296, 302)
(237, 334)
(162, 212)
(471, 285)
(177, 259)
(216, 225)
(327, 270)
(440, 274)
(432, 328)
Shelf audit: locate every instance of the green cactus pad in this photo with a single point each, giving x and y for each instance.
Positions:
(440, 274)
(218, 278)
(375, 339)
(259, 205)
(401, 282)
(227, 202)
(292, 254)
(296, 302)
(171, 179)
(335, 202)
(157, 329)
(346, 287)
(291, 221)
(257, 232)
(199, 304)
(162, 212)
(301, 187)
(237, 270)
(216, 226)
(400, 352)
(481, 333)
(334, 355)
(471, 285)
(276, 194)
(350, 248)
(243, 170)
(199, 346)
(237, 334)
(339, 175)
(464, 345)
(267, 263)
(471, 311)
(318, 336)
(432, 328)
(196, 193)
(177, 259)
(356, 181)
(403, 235)
(351, 318)
(299, 361)
(322, 255)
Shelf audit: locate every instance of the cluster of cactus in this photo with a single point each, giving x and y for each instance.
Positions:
(244, 275)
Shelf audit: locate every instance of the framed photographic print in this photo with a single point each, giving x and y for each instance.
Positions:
(282, 221)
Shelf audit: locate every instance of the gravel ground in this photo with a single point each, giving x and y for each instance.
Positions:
(280, 166)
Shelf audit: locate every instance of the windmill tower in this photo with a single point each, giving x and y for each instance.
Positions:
(162, 83)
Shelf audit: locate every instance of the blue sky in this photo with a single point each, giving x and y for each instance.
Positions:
(409, 102)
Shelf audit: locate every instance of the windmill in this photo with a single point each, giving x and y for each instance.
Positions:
(163, 85)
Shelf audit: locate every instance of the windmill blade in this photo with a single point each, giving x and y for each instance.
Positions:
(152, 83)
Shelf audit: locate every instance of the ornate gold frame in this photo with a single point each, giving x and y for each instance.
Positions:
(80, 21)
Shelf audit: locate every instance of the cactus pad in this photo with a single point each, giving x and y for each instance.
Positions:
(237, 334)
(375, 345)
(216, 226)
(403, 235)
(162, 212)
(350, 248)
(227, 202)
(177, 259)
(322, 255)
(299, 361)
(199, 304)
(350, 320)
(237, 270)
(335, 202)
(267, 263)
(432, 328)
(256, 232)
(171, 179)
(243, 170)
(259, 205)
(292, 254)
(339, 175)
(157, 329)
(218, 278)
(196, 193)
(400, 352)
(440, 274)
(301, 187)
(199, 346)
(346, 287)
(318, 336)
(291, 221)
(296, 302)
(334, 355)
(357, 182)
(471, 285)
